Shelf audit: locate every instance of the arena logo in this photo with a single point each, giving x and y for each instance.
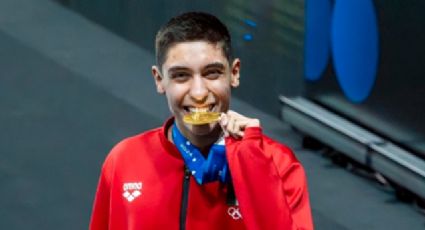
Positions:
(132, 190)
(347, 30)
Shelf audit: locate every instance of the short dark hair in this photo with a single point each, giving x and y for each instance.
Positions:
(191, 26)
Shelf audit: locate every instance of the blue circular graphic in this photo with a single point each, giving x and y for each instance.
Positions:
(355, 47)
(317, 40)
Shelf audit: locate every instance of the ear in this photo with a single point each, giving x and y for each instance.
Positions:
(158, 79)
(235, 73)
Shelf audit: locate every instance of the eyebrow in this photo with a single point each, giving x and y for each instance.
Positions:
(177, 68)
(215, 65)
(183, 68)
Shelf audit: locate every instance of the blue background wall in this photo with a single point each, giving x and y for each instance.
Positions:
(395, 105)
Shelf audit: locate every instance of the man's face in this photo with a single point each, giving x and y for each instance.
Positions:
(196, 76)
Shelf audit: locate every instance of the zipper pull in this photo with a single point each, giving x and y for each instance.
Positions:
(186, 173)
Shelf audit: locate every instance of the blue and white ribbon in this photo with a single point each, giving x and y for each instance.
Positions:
(213, 168)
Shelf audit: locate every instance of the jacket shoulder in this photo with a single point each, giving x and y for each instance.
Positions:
(283, 156)
(278, 149)
(131, 145)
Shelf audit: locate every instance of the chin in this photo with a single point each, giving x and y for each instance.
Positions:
(202, 130)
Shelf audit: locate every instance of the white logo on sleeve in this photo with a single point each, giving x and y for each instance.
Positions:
(132, 190)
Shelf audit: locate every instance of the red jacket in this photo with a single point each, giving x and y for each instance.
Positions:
(141, 187)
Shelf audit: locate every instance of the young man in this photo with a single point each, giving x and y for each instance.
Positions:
(220, 175)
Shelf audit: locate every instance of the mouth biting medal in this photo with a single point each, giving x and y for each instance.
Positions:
(201, 118)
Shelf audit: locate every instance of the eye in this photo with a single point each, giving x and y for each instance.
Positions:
(180, 76)
(213, 73)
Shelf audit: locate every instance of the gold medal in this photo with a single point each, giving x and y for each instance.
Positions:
(201, 118)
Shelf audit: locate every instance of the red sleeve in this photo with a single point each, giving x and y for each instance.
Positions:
(269, 183)
(100, 214)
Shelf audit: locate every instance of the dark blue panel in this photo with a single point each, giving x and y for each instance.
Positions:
(318, 20)
(355, 47)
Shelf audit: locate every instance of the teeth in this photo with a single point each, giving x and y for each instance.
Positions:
(198, 110)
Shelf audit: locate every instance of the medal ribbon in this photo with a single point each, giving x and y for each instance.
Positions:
(203, 170)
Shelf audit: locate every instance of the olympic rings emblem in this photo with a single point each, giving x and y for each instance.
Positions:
(234, 213)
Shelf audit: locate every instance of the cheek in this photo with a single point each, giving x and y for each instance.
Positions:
(174, 96)
(172, 100)
(223, 93)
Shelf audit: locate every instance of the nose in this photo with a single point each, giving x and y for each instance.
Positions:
(198, 90)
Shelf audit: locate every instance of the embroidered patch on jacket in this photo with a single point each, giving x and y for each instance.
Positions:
(234, 212)
(132, 190)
